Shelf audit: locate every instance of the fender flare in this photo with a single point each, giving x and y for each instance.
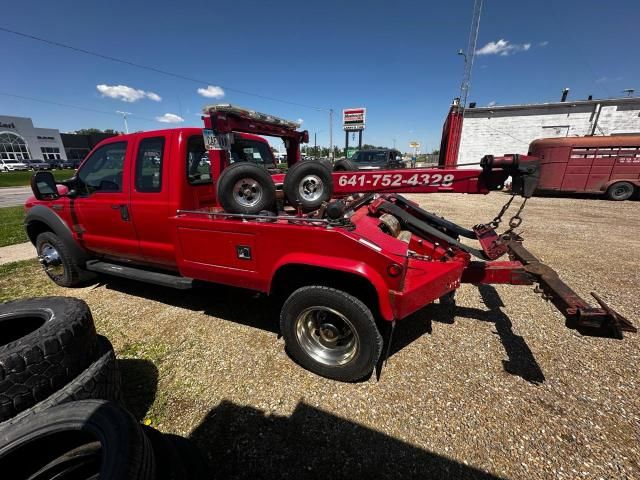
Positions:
(46, 216)
(343, 265)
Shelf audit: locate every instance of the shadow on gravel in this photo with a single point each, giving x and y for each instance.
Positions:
(237, 305)
(139, 380)
(521, 361)
(243, 443)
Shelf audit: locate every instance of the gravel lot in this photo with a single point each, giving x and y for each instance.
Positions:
(503, 390)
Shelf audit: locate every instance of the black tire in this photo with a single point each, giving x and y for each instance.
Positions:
(91, 436)
(195, 464)
(101, 381)
(44, 344)
(344, 165)
(169, 463)
(65, 270)
(237, 196)
(620, 191)
(336, 350)
(308, 184)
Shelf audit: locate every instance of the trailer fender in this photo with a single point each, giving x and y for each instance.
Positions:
(634, 181)
(345, 265)
(41, 219)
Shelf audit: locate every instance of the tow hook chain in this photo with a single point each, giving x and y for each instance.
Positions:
(516, 220)
(495, 223)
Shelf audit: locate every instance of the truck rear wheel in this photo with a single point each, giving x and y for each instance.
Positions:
(330, 333)
(308, 184)
(620, 191)
(246, 188)
(344, 165)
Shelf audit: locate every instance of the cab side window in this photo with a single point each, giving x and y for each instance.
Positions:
(149, 165)
(102, 171)
(198, 164)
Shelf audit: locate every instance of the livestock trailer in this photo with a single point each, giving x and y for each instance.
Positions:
(608, 165)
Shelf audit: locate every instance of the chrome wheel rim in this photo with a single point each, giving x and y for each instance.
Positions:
(311, 188)
(327, 336)
(247, 192)
(51, 260)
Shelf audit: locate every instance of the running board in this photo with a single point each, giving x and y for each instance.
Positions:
(132, 273)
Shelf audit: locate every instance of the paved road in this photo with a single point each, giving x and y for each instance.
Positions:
(12, 196)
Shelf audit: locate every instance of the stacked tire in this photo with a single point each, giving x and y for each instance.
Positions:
(60, 416)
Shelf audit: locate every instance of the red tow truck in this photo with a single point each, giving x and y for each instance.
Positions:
(343, 251)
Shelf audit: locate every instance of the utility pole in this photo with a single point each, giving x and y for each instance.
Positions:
(331, 134)
(394, 143)
(471, 52)
(124, 117)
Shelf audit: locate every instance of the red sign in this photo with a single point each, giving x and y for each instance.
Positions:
(354, 118)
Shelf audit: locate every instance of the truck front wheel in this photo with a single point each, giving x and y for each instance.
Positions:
(58, 261)
(620, 191)
(330, 333)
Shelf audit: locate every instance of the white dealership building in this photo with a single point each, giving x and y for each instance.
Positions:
(20, 140)
(499, 129)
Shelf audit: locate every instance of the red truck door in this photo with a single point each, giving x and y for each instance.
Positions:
(150, 202)
(100, 211)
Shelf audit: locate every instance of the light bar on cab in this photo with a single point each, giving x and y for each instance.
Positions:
(252, 114)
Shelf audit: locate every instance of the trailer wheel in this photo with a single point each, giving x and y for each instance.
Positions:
(308, 184)
(344, 165)
(620, 191)
(246, 188)
(330, 333)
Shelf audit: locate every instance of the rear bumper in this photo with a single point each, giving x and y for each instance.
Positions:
(424, 282)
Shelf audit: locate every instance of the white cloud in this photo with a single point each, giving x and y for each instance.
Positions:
(543, 44)
(170, 118)
(491, 103)
(503, 48)
(211, 92)
(300, 121)
(154, 96)
(125, 93)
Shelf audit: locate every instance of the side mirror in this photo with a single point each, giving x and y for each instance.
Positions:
(43, 186)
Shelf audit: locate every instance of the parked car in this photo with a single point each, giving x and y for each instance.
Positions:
(67, 164)
(38, 164)
(10, 165)
(379, 159)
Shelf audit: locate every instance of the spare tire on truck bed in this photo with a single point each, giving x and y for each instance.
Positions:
(246, 187)
(44, 344)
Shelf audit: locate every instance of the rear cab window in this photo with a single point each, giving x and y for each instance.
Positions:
(198, 164)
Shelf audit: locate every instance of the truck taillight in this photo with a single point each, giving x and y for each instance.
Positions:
(394, 270)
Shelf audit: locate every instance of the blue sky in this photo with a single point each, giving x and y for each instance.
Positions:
(398, 59)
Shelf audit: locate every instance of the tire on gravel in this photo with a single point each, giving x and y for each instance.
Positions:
(247, 188)
(88, 438)
(620, 191)
(344, 165)
(308, 184)
(330, 333)
(73, 274)
(44, 344)
(100, 381)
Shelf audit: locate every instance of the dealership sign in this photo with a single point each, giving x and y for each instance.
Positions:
(414, 144)
(354, 118)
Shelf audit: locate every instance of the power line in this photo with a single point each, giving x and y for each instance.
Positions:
(88, 109)
(154, 69)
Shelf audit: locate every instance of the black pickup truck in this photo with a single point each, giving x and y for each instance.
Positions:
(378, 159)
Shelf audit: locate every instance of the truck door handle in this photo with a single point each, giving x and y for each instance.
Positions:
(124, 211)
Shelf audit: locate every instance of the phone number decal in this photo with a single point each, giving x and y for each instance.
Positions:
(396, 180)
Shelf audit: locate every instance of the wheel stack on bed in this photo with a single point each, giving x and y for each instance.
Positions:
(60, 402)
